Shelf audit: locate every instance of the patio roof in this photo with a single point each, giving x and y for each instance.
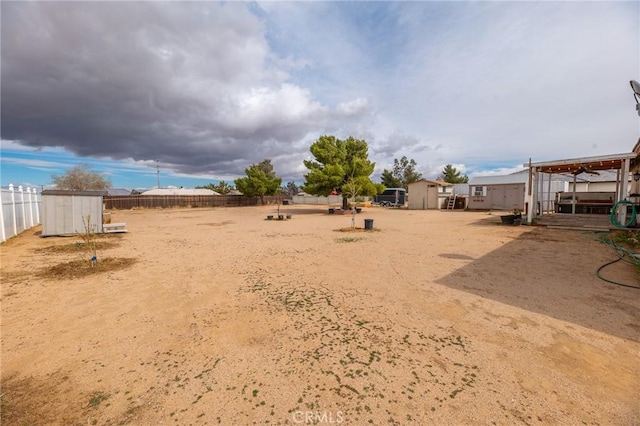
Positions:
(584, 164)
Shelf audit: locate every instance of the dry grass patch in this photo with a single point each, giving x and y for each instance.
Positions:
(357, 229)
(13, 277)
(82, 268)
(226, 222)
(77, 247)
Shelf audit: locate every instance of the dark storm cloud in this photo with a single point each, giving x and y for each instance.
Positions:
(188, 84)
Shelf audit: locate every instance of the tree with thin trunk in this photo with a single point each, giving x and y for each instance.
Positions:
(404, 172)
(81, 178)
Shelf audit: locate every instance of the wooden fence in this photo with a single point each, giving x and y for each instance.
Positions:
(125, 202)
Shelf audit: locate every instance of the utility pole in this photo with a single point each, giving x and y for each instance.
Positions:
(158, 170)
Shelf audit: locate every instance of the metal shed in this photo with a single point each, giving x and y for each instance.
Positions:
(65, 212)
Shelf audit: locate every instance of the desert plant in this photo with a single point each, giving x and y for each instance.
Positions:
(88, 236)
(351, 188)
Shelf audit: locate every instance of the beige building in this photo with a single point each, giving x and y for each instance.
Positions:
(428, 194)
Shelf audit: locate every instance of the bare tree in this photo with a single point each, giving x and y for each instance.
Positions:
(81, 178)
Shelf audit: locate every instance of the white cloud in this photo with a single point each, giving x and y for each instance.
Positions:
(209, 88)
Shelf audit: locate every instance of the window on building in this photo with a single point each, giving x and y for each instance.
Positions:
(479, 191)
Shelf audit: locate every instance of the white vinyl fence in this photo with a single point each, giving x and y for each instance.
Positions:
(311, 199)
(20, 210)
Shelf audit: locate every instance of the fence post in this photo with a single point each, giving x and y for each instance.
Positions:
(30, 207)
(24, 216)
(13, 210)
(36, 205)
(3, 233)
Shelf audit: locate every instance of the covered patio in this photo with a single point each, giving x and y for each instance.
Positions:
(586, 222)
(624, 164)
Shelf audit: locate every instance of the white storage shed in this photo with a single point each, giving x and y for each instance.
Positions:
(66, 212)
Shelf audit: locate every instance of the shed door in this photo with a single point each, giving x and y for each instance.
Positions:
(506, 197)
(432, 197)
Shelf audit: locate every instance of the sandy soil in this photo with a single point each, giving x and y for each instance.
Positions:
(226, 318)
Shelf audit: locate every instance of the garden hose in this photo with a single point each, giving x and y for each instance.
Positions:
(614, 219)
(622, 252)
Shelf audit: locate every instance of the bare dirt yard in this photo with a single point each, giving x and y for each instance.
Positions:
(219, 316)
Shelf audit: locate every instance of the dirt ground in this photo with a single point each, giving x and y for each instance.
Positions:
(219, 316)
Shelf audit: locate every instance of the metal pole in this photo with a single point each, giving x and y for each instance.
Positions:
(158, 170)
(549, 194)
(573, 198)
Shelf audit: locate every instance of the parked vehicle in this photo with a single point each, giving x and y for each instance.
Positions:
(391, 197)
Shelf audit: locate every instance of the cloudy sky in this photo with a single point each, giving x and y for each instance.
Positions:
(205, 89)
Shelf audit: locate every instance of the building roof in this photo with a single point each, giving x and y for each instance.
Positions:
(118, 191)
(180, 191)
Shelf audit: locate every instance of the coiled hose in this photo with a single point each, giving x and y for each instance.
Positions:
(614, 219)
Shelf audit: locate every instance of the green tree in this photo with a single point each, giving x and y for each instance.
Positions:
(451, 175)
(81, 178)
(389, 180)
(336, 163)
(261, 180)
(221, 187)
(291, 188)
(404, 172)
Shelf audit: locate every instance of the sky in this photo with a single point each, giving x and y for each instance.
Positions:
(190, 93)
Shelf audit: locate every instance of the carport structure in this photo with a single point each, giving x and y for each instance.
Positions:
(622, 163)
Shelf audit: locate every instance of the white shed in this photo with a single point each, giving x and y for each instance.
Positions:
(66, 212)
(428, 194)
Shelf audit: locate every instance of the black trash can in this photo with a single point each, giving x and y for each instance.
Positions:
(368, 224)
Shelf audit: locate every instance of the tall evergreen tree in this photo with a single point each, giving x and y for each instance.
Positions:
(404, 172)
(291, 188)
(451, 175)
(336, 163)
